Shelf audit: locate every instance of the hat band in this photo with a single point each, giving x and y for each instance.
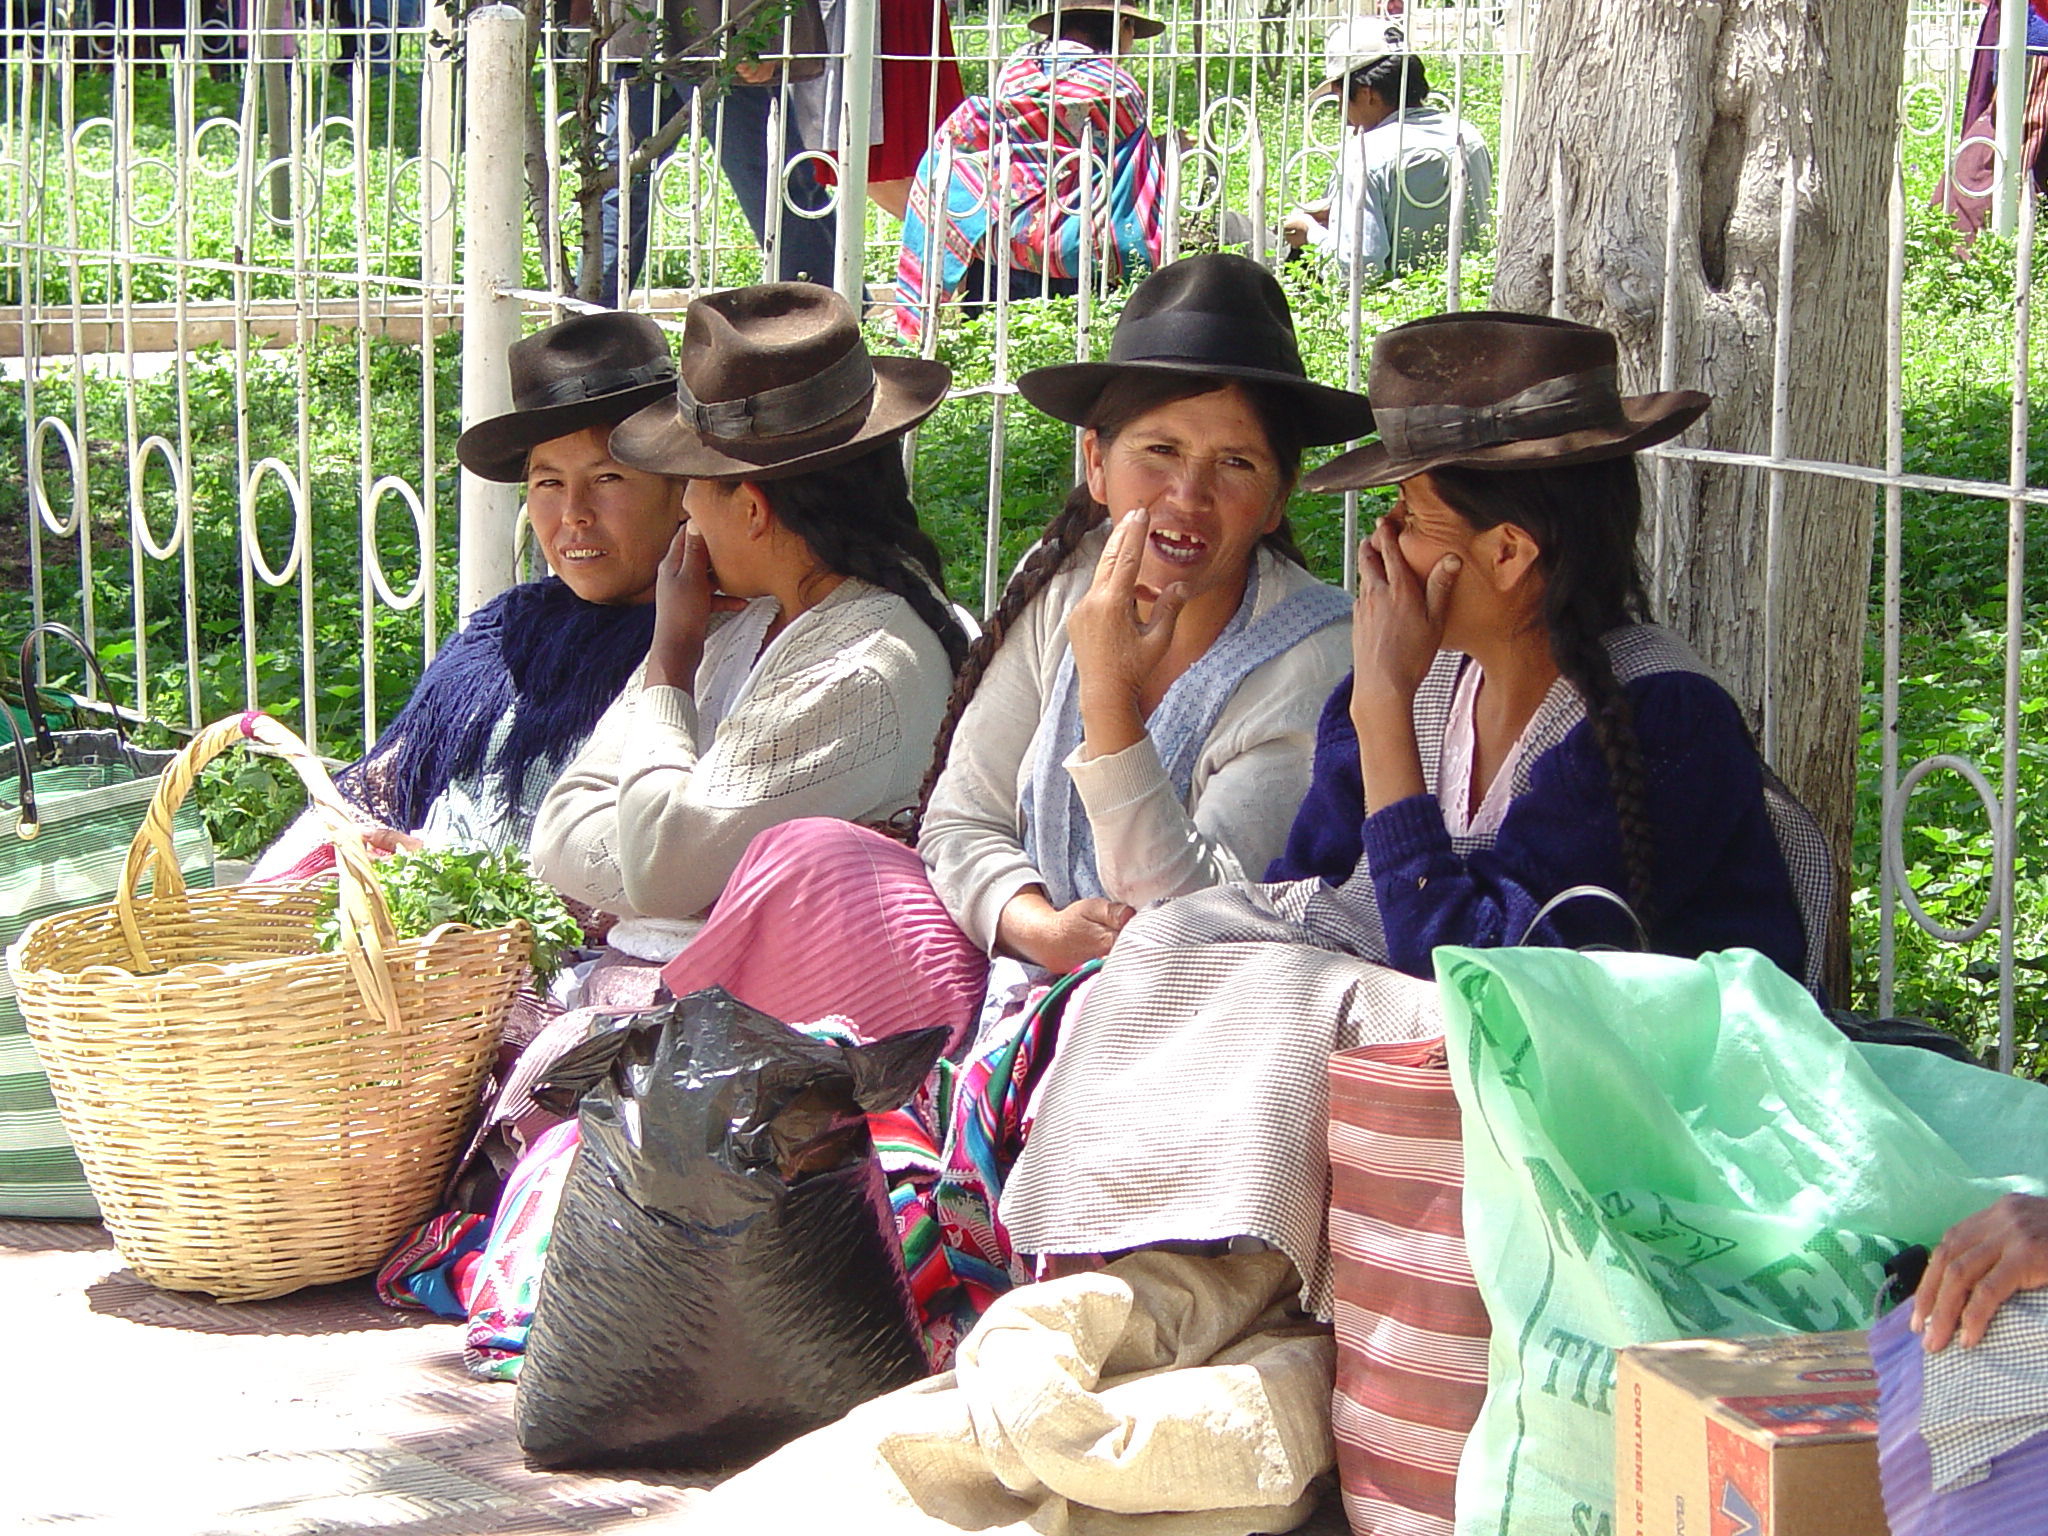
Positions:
(588, 386)
(1570, 402)
(1198, 336)
(785, 410)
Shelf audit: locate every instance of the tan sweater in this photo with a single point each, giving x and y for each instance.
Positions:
(836, 718)
(1249, 777)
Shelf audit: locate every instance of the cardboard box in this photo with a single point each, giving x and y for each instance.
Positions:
(1768, 1436)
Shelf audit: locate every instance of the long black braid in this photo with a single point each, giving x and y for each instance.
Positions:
(1127, 397)
(1584, 518)
(858, 520)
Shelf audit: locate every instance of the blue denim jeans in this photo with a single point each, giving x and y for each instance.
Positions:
(806, 249)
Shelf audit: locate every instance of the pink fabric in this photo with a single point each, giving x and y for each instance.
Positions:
(823, 917)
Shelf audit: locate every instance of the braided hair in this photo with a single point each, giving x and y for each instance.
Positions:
(1584, 518)
(858, 520)
(1126, 398)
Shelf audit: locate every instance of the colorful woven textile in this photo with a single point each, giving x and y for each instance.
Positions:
(431, 1269)
(508, 1277)
(1021, 147)
(955, 1249)
(1411, 1329)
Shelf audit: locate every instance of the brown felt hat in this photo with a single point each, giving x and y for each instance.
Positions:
(775, 381)
(1142, 24)
(1218, 316)
(1490, 390)
(588, 371)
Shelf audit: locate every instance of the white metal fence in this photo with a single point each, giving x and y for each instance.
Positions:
(234, 245)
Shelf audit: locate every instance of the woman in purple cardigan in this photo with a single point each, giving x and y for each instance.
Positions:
(1513, 729)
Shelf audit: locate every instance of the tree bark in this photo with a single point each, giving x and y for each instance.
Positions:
(1618, 93)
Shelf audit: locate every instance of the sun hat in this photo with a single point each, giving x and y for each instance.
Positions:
(587, 371)
(776, 380)
(1490, 390)
(1356, 44)
(1142, 25)
(1218, 315)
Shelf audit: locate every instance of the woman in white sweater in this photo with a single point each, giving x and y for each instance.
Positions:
(818, 690)
(1139, 718)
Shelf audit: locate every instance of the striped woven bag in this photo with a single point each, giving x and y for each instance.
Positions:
(1411, 1330)
(70, 802)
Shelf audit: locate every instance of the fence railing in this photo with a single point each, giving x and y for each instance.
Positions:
(235, 309)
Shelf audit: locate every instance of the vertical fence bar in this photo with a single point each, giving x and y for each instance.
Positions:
(2005, 849)
(2009, 115)
(1781, 445)
(863, 21)
(1894, 466)
(490, 269)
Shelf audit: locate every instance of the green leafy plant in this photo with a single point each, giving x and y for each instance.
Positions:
(427, 887)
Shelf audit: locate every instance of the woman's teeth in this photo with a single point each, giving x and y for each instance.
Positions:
(1178, 548)
(582, 554)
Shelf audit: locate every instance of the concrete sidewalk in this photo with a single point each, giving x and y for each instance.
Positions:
(150, 1413)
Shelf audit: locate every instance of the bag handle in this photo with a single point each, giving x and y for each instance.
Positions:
(1572, 893)
(30, 822)
(367, 934)
(32, 684)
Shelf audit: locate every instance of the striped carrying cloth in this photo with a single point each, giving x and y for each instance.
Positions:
(91, 789)
(1411, 1329)
(1019, 147)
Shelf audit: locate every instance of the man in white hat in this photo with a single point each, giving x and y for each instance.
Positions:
(1389, 202)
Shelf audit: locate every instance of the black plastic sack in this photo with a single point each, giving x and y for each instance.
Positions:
(724, 1273)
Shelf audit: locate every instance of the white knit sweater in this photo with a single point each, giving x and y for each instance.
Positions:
(836, 718)
(1249, 777)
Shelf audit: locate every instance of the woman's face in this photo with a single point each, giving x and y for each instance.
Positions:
(720, 515)
(1492, 584)
(602, 526)
(1205, 471)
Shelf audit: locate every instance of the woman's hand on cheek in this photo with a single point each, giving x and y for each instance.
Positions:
(1060, 939)
(1397, 627)
(1116, 653)
(682, 612)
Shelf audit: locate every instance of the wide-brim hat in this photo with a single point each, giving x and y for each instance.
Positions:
(1218, 316)
(775, 381)
(1491, 390)
(1358, 44)
(1143, 25)
(587, 371)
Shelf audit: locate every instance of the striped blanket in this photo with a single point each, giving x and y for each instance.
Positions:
(1020, 148)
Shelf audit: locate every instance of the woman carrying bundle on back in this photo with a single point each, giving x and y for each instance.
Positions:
(1514, 728)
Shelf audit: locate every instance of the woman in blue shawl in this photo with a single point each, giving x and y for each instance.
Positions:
(512, 697)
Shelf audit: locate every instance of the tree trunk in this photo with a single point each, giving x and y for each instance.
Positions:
(1618, 93)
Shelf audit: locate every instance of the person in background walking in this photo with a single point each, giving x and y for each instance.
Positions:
(1965, 192)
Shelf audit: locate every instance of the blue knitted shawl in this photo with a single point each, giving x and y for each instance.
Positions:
(536, 652)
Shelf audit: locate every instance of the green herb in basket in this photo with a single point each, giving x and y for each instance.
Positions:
(431, 886)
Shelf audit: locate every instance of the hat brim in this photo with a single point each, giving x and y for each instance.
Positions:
(1068, 391)
(496, 448)
(1648, 421)
(907, 390)
(1142, 25)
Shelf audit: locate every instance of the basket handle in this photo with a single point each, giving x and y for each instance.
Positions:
(366, 930)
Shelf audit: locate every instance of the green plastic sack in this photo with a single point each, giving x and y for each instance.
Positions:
(64, 837)
(1662, 1149)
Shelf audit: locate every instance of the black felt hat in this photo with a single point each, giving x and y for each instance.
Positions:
(587, 371)
(1487, 389)
(776, 380)
(1217, 316)
(1143, 25)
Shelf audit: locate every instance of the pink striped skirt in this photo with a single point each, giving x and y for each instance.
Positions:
(824, 918)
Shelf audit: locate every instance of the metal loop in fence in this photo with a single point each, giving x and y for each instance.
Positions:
(1328, 107)
(1227, 106)
(373, 558)
(224, 171)
(1892, 838)
(1071, 172)
(1996, 167)
(39, 493)
(1199, 193)
(1414, 161)
(181, 486)
(1914, 119)
(321, 141)
(266, 173)
(1301, 167)
(824, 210)
(80, 150)
(170, 209)
(252, 545)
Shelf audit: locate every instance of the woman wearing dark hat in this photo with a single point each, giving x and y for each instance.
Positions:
(1514, 728)
(512, 697)
(821, 695)
(1012, 160)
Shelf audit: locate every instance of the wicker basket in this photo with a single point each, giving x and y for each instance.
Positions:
(253, 1115)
